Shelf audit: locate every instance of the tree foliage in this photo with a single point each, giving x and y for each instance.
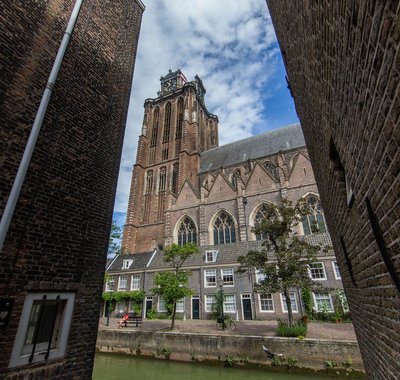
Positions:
(114, 243)
(173, 286)
(285, 257)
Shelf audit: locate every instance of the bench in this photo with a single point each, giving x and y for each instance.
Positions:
(134, 320)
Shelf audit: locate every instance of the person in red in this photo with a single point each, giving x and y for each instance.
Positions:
(124, 318)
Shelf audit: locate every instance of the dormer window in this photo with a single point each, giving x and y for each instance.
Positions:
(126, 264)
(211, 256)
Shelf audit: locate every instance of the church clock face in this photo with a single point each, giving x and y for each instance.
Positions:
(168, 86)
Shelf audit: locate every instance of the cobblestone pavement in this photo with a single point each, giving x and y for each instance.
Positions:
(316, 330)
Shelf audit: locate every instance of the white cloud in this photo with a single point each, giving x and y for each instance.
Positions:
(230, 44)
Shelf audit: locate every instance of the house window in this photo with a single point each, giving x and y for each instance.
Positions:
(209, 303)
(210, 278)
(227, 276)
(109, 286)
(336, 270)
(187, 232)
(211, 256)
(122, 281)
(180, 306)
(323, 301)
(262, 213)
(43, 328)
(135, 282)
(224, 229)
(126, 264)
(293, 302)
(315, 221)
(229, 304)
(317, 271)
(266, 303)
(260, 276)
(162, 308)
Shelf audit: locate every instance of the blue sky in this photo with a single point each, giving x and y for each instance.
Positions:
(232, 46)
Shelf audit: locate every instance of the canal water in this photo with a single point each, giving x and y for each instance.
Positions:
(124, 367)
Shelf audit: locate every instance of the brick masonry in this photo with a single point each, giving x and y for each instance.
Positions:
(342, 60)
(58, 236)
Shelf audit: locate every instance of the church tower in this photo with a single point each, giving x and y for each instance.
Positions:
(177, 127)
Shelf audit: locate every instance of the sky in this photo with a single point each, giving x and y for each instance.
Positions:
(231, 45)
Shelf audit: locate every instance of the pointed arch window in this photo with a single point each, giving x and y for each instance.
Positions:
(154, 130)
(179, 119)
(149, 182)
(264, 211)
(167, 122)
(271, 168)
(315, 221)
(235, 177)
(224, 229)
(162, 179)
(187, 232)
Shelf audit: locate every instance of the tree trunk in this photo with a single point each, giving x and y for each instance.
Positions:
(289, 306)
(173, 317)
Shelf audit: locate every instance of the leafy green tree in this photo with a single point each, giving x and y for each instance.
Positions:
(114, 244)
(285, 257)
(173, 286)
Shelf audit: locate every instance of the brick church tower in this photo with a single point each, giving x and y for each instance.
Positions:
(177, 127)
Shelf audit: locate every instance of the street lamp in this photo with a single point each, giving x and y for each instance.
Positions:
(110, 284)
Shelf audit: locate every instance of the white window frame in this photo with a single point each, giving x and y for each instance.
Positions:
(231, 302)
(180, 306)
(272, 300)
(161, 307)
(295, 307)
(231, 273)
(336, 270)
(136, 282)
(206, 283)
(19, 358)
(260, 276)
(329, 297)
(119, 282)
(209, 300)
(126, 264)
(109, 286)
(211, 256)
(310, 271)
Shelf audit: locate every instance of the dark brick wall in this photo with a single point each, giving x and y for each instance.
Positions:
(58, 237)
(342, 59)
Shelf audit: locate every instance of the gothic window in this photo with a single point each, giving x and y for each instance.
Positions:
(154, 130)
(167, 122)
(179, 120)
(175, 169)
(162, 179)
(271, 168)
(263, 212)
(224, 229)
(315, 221)
(164, 154)
(234, 179)
(149, 182)
(187, 232)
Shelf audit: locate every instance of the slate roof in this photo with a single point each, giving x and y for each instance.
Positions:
(254, 147)
(139, 261)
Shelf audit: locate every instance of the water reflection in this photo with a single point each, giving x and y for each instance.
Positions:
(121, 367)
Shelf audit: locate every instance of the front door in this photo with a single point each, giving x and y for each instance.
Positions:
(195, 307)
(246, 305)
(149, 305)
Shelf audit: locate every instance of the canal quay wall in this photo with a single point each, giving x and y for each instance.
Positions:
(314, 354)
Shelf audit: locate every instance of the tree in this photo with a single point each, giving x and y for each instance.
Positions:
(284, 261)
(172, 286)
(114, 243)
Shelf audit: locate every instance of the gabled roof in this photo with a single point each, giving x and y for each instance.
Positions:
(139, 261)
(254, 147)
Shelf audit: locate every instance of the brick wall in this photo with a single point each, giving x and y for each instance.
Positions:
(343, 70)
(58, 236)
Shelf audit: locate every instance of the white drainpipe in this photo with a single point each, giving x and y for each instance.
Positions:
(30, 146)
